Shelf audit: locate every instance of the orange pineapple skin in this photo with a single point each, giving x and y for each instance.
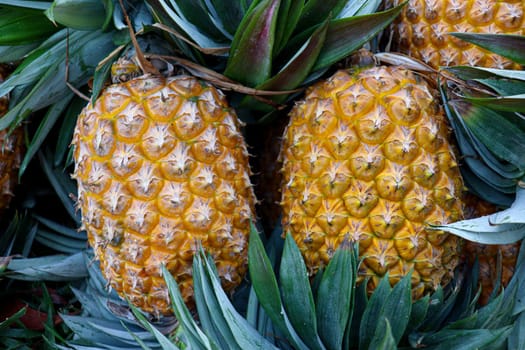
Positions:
(487, 255)
(421, 31)
(366, 159)
(162, 168)
(11, 150)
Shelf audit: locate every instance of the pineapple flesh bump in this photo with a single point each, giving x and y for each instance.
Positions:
(422, 30)
(366, 158)
(11, 150)
(162, 168)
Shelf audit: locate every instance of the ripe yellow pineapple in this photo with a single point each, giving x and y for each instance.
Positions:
(422, 30)
(162, 168)
(366, 159)
(11, 149)
(487, 255)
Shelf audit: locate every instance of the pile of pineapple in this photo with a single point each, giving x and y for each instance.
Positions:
(137, 132)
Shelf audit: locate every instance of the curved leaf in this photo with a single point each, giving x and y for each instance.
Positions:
(250, 59)
(507, 45)
(267, 291)
(346, 35)
(335, 296)
(297, 294)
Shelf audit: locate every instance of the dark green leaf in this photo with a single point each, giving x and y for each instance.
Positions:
(495, 131)
(504, 87)
(374, 313)
(69, 121)
(439, 308)
(297, 69)
(61, 183)
(250, 59)
(398, 307)
(162, 339)
(12, 318)
(297, 294)
(197, 338)
(48, 85)
(230, 13)
(383, 338)
(346, 35)
(516, 339)
(15, 53)
(214, 326)
(472, 147)
(59, 243)
(418, 313)
(461, 339)
(335, 296)
(316, 12)
(289, 14)
(485, 191)
(360, 304)
(213, 320)
(510, 46)
(266, 288)
(514, 103)
(51, 117)
(50, 268)
(244, 336)
(20, 26)
(467, 73)
(196, 13)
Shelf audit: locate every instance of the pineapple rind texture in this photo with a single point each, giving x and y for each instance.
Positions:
(11, 151)
(421, 31)
(162, 168)
(366, 158)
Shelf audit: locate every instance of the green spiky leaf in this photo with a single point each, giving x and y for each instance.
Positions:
(503, 137)
(50, 268)
(297, 294)
(250, 59)
(335, 296)
(22, 26)
(195, 335)
(383, 338)
(346, 35)
(507, 45)
(267, 290)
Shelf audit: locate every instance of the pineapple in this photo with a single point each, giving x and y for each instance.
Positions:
(487, 255)
(366, 158)
(162, 168)
(422, 30)
(11, 149)
(161, 165)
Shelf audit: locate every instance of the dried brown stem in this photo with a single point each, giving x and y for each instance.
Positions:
(145, 65)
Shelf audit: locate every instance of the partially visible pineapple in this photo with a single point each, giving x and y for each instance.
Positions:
(421, 31)
(487, 255)
(162, 168)
(267, 145)
(367, 159)
(11, 149)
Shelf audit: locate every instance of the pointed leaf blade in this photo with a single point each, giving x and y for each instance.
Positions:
(346, 35)
(297, 294)
(335, 296)
(510, 46)
(250, 61)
